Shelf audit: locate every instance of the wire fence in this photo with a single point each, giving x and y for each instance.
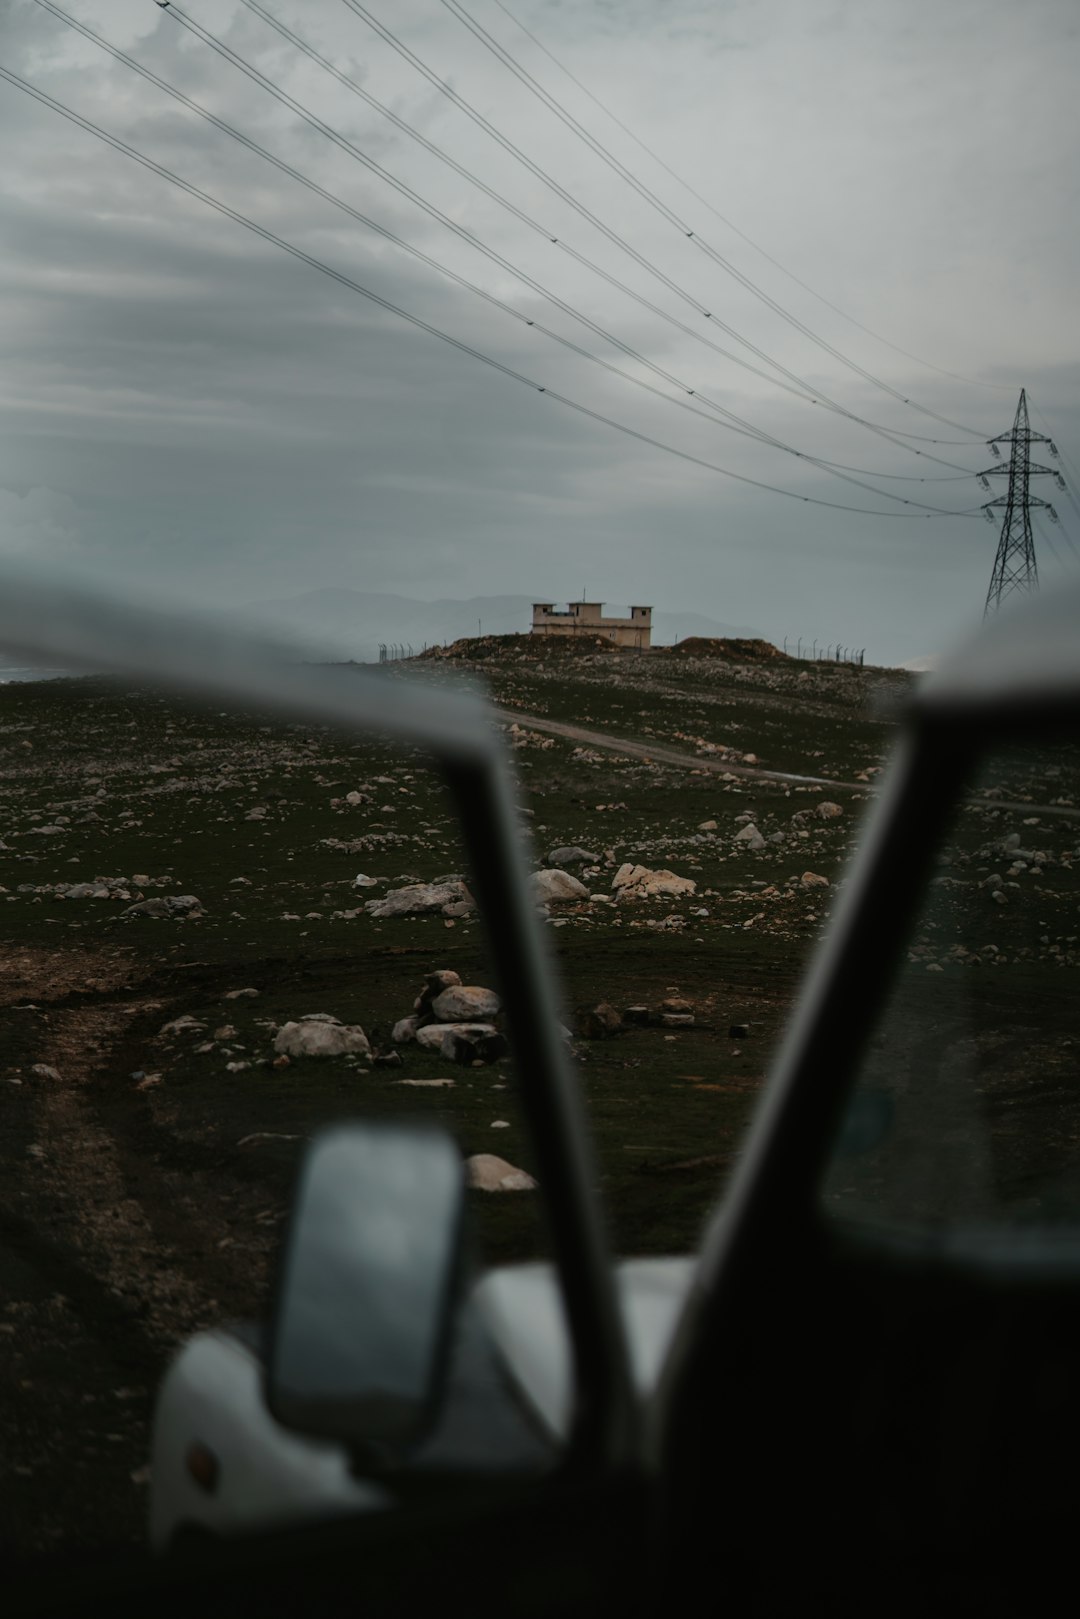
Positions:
(824, 652)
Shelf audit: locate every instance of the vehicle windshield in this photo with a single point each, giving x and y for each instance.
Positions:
(967, 1108)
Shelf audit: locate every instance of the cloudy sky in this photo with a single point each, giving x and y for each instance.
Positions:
(188, 409)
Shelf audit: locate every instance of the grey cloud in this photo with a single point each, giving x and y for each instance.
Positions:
(214, 417)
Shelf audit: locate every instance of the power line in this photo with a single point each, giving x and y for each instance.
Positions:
(478, 118)
(524, 77)
(416, 321)
(233, 57)
(745, 429)
(730, 224)
(1055, 449)
(1047, 541)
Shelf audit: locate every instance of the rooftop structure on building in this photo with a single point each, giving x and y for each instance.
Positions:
(587, 619)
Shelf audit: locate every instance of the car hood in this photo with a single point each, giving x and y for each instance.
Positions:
(522, 1307)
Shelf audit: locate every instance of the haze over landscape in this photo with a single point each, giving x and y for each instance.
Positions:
(189, 410)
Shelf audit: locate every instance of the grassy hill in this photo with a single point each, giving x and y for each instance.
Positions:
(152, 1129)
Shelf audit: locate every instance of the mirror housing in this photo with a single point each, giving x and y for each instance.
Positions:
(367, 1289)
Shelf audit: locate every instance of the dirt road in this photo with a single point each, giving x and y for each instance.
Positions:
(109, 1252)
(662, 754)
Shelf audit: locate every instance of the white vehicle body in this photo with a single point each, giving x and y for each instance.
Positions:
(213, 1398)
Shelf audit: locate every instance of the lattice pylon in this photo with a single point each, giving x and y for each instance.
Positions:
(1015, 567)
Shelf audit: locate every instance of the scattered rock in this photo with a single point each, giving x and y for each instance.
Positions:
(42, 1070)
(598, 1022)
(420, 899)
(434, 984)
(467, 1049)
(811, 879)
(826, 811)
(639, 882)
(314, 1037)
(706, 826)
(237, 994)
(431, 1035)
(180, 1025)
(750, 836)
(404, 1030)
(463, 1003)
(168, 905)
(557, 885)
(486, 1173)
(461, 907)
(571, 855)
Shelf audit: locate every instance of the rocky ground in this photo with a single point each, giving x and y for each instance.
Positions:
(217, 934)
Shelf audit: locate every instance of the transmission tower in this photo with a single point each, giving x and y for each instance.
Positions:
(1014, 565)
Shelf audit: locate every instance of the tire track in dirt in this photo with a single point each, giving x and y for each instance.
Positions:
(662, 754)
(103, 1250)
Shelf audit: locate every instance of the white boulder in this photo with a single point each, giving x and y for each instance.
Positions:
(432, 1034)
(461, 1002)
(639, 882)
(316, 1037)
(813, 879)
(419, 899)
(555, 884)
(487, 1173)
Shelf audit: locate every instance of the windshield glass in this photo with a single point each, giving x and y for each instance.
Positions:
(967, 1109)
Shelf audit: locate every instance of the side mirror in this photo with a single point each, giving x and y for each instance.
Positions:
(368, 1285)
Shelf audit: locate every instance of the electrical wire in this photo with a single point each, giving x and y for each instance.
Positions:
(478, 118)
(227, 54)
(567, 118)
(955, 376)
(744, 428)
(1069, 468)
(420, 324)
(1047, 541)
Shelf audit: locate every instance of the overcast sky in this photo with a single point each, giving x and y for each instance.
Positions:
(188, 409)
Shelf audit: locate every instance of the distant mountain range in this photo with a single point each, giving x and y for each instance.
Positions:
(351, 624)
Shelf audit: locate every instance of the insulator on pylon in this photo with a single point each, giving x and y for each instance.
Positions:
(983, 483)
(995, 452)
(1059, 480)
(1052, 447)
(1054, 518)
(988, 514)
